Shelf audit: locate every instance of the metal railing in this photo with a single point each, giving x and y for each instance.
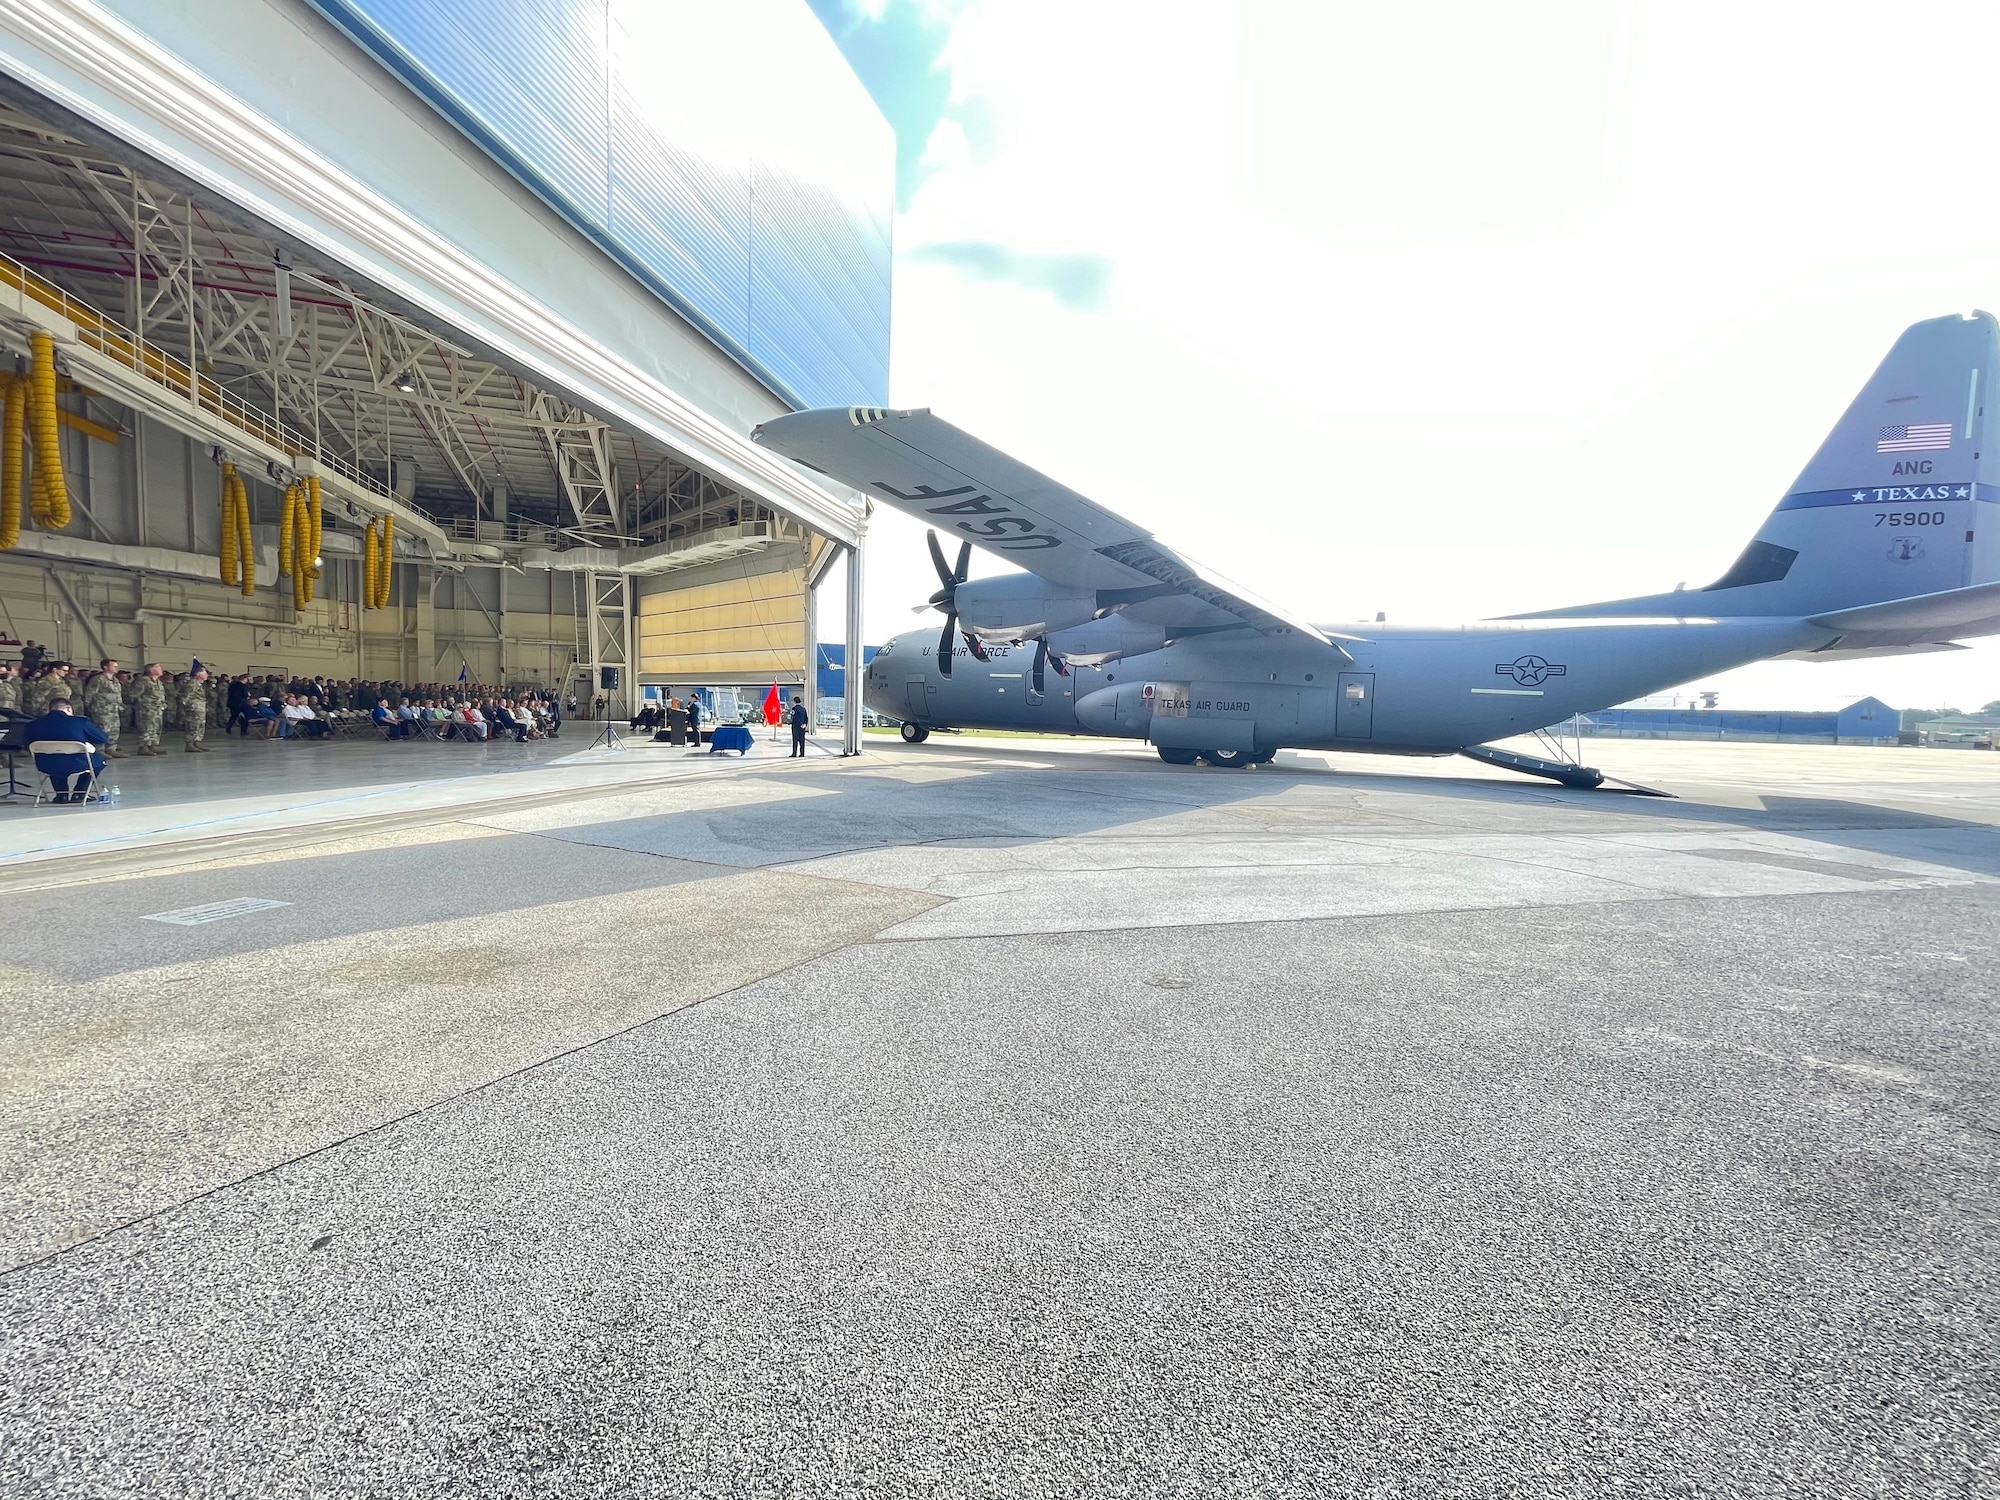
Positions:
(112, 339)
(530, 533)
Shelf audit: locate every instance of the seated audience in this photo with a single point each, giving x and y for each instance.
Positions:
(298, 721)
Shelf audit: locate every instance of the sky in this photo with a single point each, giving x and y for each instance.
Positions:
(1442, 309)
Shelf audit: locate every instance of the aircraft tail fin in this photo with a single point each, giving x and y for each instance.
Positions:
(1901, 500)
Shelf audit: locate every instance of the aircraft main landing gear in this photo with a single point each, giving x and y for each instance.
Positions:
(1230, 760)
(1174, 757)
(914, 734)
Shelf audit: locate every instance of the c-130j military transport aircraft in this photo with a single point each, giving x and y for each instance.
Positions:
(1889, 542)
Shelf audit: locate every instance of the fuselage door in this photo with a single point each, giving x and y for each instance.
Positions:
(915, 694)
(1354, 706)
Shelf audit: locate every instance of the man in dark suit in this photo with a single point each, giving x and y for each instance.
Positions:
(798, 729)
(238, 702)
(60, 724)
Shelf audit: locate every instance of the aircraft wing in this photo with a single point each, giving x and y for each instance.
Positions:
(948, 479)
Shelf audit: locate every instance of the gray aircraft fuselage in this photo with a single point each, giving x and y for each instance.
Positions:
(1411, 690)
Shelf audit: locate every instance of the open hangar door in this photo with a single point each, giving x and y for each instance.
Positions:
(193, 341)
(744, 622)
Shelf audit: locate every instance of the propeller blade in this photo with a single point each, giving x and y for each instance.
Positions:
(975, 645)
(964, 568)
(1061, 666)
(945, 643)
(1041, 660)
(937, 560)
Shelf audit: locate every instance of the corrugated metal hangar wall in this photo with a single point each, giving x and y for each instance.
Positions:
(352, 256)
(771, 233)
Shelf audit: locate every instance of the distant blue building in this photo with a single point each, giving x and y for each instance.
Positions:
(1868, 722)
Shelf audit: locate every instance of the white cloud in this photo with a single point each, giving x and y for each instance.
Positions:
(1415, 310)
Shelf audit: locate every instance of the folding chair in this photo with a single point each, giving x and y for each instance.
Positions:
(48, 790)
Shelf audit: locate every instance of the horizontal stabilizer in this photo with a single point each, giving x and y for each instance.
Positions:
(1947, 612)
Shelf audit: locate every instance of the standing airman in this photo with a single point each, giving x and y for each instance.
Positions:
(104, 704)
(194, 709)
(149, 708)
(10, 687)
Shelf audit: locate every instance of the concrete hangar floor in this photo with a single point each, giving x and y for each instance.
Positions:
(999, 1117)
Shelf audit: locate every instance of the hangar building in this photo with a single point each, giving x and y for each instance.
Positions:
(505, 284)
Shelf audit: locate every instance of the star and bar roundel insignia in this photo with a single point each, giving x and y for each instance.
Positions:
(1530, 671)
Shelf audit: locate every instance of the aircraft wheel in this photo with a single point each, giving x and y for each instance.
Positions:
(914, 734)
(1174, 757)
(1231, 760)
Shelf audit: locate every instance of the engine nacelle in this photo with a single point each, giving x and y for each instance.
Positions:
(1095, 642)
(1016, 606)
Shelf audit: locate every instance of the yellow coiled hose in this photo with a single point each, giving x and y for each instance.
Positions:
(244, 547)
(292, 531)
(226, 550)
(385, 571)
(313, 519)
(10, 464)
(288, 515)
(371, 563)
(51, 503)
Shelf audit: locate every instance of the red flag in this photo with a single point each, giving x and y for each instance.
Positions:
(774, 707)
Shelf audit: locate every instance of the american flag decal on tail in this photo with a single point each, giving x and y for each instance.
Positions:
(1914, 437)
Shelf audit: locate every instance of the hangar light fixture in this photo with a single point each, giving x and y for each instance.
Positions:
(406, 381)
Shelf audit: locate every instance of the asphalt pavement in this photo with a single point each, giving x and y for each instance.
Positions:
(989, 1119)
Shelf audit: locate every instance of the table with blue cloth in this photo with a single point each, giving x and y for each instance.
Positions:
(730, 737)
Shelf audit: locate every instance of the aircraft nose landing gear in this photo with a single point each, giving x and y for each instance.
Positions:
(914, 734)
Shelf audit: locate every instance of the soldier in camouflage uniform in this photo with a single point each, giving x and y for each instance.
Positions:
(149, 708)
(37, 691)
(194, 710)
(10, 687)
(104, 704)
